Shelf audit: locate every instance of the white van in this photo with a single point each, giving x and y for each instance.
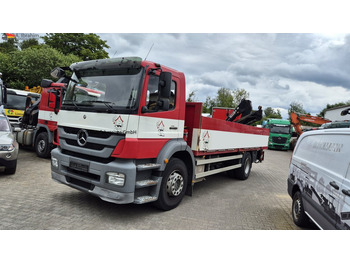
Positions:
(319, 179)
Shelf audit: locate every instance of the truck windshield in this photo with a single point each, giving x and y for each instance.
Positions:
(103, 90)
(280, 129)
(18, 102)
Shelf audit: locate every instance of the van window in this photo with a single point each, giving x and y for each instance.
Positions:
(327, 151)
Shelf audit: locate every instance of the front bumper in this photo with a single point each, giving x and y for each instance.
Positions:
(94, 179)
(8, 158)
(278, 146)
(103, 193)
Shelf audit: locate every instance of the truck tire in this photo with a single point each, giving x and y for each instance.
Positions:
(11, 170)
(243, 172)
(42, 145)
(173, 186)
(298, 213)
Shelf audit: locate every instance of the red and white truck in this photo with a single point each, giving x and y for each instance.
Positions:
(39, 122)
(133, 139)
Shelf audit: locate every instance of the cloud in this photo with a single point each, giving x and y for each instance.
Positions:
(276, 69)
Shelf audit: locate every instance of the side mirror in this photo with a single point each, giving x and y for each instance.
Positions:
(46, 83)
(52, 100)
(164, 84)
(164, 90)
(57, 72)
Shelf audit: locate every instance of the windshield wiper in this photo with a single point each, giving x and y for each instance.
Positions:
(107, 104)
(75, 105)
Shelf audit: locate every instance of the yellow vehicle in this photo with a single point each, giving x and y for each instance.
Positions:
(16, 104)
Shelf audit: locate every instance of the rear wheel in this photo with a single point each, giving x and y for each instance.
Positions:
(173, 185)
(298, 213)
(42, 145)
(243, 172)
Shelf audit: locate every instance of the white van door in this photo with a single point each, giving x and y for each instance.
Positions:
(319, 158)
(344, 222)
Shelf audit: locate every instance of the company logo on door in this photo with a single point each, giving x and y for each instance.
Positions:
(118, 123)
(160, 127)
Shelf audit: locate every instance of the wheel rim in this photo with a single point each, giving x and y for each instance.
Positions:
(41, 146)
(175, 184)
(247, 166)
(297, 208)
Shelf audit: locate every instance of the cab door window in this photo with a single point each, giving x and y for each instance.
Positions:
(152, 94)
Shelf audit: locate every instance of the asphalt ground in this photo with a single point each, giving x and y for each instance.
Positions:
(31, 200)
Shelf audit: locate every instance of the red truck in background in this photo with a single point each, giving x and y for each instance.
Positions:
(221, 112)
(39, 121)
(136, 140)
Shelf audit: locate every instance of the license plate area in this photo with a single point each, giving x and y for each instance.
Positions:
(79, 166)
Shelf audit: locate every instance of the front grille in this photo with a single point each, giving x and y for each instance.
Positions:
(84, 174)
(99, 144)
(80, 183)
(92, 133)
(88, 157)
(88, 145)
(279, 140)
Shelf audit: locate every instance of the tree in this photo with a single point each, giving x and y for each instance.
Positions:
(191, 97)
(29, 66)
(224, 98)
(85, 46)
(269, 112)
(238, 95)
(29, 43)
(9, 45)
(208, 105)
(296, 107)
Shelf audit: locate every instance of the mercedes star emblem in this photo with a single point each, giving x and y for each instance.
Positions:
(82, 137)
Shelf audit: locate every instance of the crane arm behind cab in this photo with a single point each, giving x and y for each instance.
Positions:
(296, 118)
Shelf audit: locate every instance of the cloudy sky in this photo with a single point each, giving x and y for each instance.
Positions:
(242, 49)
(276, 69)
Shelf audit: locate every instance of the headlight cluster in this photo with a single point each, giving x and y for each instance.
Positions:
(116, 178)
(7, 147)
(54, 162)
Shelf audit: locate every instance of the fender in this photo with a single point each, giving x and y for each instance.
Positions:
(49, 133)
(181, 150)
(172, 147)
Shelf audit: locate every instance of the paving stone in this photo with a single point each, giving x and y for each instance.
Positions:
(30, 199)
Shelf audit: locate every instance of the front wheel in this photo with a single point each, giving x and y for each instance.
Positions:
(42, 145)
(11, 170)
(174, 184)
(298, 213)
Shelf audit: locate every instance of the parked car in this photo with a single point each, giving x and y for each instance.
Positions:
(336, 124)
(8, 146)
(319, 179)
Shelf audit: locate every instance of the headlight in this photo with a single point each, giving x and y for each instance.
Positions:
(115, 178)
(6, 147)
(54, 162)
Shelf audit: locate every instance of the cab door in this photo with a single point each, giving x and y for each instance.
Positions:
(155, 122)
